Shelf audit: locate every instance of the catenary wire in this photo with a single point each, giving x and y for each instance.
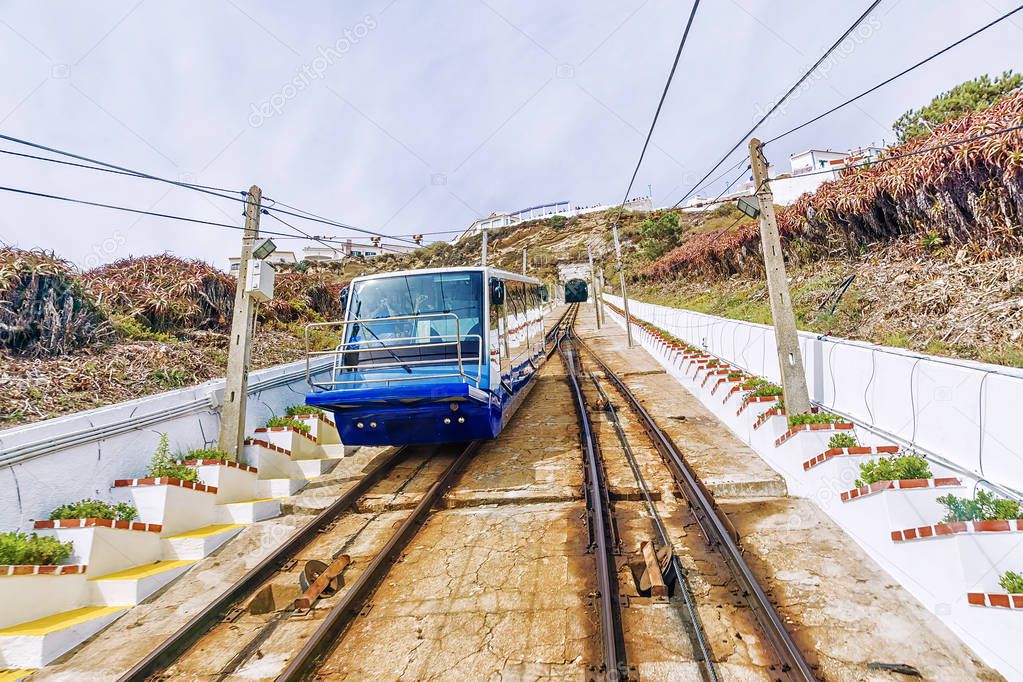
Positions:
(777, 104)
(664, 95)
(896, 76)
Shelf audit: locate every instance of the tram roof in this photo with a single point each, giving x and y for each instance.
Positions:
(504, 274)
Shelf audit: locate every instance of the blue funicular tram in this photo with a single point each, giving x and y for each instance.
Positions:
(431, 356)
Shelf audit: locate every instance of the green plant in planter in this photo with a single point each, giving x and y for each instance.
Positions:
(779, 405)
(302, 411)
(734, 375)
(713, 363)
(164, 465)
(1011, 582)
(94, 509)
(287, 422)
(893, 469)
(765, 390)
(207, 453)
(842, 440)
(983, 507)
(20, 548)
(753, 382)
(812, 418)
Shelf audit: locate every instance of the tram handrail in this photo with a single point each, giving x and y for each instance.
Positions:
(390, 345)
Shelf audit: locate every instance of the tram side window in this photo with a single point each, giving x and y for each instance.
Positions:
(495, 340)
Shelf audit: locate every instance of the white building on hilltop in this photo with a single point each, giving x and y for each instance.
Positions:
(809, 170)
(563, 208)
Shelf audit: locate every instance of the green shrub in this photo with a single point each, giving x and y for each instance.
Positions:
(131, 329)
(893, 469)
(1011, 582)
(557, 222)
(94, 509)
(753, 383)
(842, 440)
(302, 411)
(734, 375)
(813, 418)
(984, 507)
(19, 548)
(765, 389)
(163, 464)
(207, 453)
(289, 422)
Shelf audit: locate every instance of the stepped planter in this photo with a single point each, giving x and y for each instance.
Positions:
(835, 470)
(300, 445)
(233, 481)
(33, 644)
(174, 504)
(803, 441)
(769, 425)
(321, 428)
(106, 545)
(884, 505)
(273, 461)
(31, 592)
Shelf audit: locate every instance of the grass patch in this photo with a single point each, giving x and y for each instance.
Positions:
(842, 440)
(893, 469)
(287, 422)
(1011, 582)
(984, 507)
(207, 453)
(164, 465)
(302, 411)
(813, 418)
(21, 549)
(94, 509)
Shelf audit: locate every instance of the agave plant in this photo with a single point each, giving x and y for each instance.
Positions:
(164, 292)
(43, 308)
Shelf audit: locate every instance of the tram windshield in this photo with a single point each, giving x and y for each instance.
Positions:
(430, 301)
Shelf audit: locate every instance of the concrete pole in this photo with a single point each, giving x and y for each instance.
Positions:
(593, 287)
(523, 260)
(600, 293)
(621, 281)
(232, 414)
(790, 360)
(484, 247)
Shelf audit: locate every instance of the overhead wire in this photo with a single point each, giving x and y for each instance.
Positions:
(900, 74)
(221, 192)
(660, 103)
(784, 97)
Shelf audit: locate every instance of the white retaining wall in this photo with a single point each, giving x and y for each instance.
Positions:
(965, 412)
(65, 459)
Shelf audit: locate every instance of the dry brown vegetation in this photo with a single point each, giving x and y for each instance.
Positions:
(967, 196)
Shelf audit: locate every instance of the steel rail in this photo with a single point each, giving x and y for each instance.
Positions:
(696, 632)
(333, 626)
(615, 664)
(716, 529)
(178, 643)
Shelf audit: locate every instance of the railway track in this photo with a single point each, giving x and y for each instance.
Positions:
(211, 628)
(713, 524)
(253, 596)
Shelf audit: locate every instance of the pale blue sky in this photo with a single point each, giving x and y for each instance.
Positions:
(405, 115)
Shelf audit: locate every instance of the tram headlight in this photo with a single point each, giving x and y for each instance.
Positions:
(461, 420)
(359, 425)
(372, 425)
(453, 406)
(447, 420)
